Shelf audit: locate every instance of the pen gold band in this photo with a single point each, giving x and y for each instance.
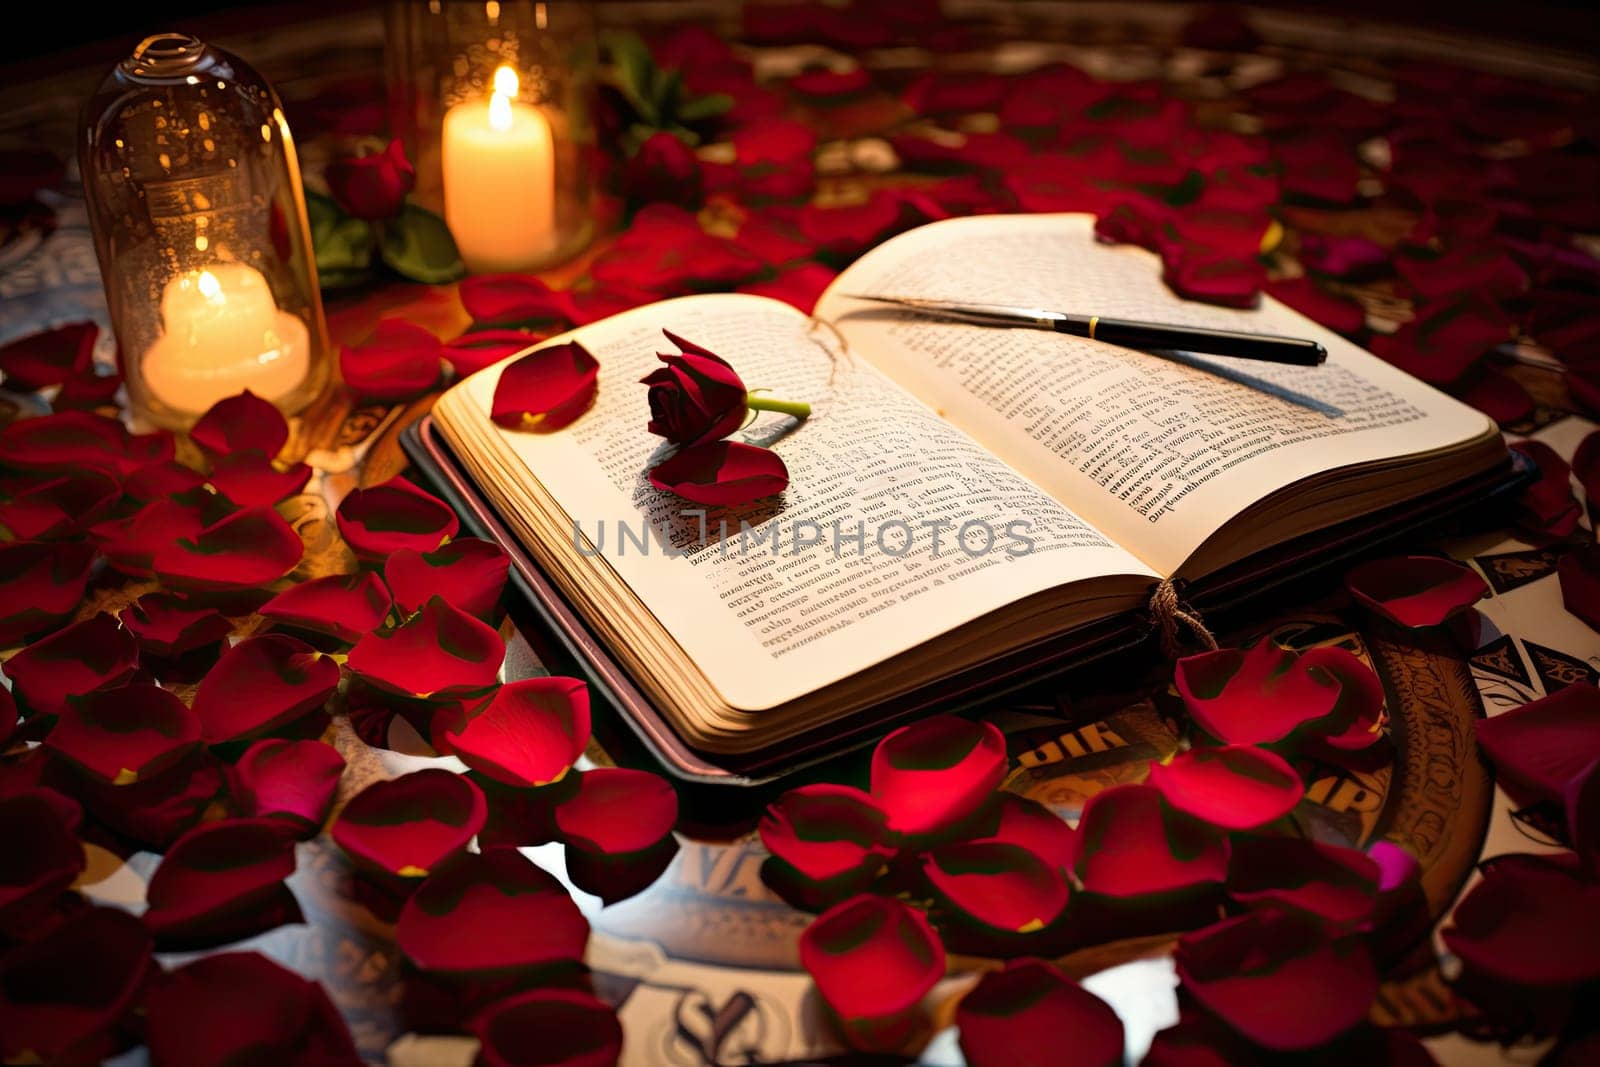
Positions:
(1094, 320)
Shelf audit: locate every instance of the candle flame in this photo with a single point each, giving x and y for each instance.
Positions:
(209, 287)
(505, 90)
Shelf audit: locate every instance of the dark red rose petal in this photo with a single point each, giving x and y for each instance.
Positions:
(87, 391)
(166, 625)
(290, 780)
(555, 1027)
(873, 959)
(1415, 591)
(800, 286)
(240, 1007)
(41, 858)
(8, 716)
(490, 911)
(1538, 748)
(1548, 507)
(468, 572)
(60, 507)
(221, 882)
(1445, 340)
(77, 440)
(1532, 921)
(41, 585)
(386, 518)
(1131, 844)
(373, 185)
(158, 529)
(471, 352)
(1583, 817)
(88, 655)
(933, 775)
(63, 994)
(1318, 304)
(848, 231)
(158, 481)
(1023, 1014)
(1342, 256)
(529, 734)
(402, 360)
(154, 811)
(50, 357)
(441, 654)
(1579, 575)
(722, 473)
(1215, 279)
(1253, 696)
(1586, 465)
(1236, 787)
(830, 834)
(245, 550)
(616, 811)
(344, 606)
(126, 734)
(1499, 396)
(243, 423)
(1278, 978)
(1339, 885)
(261, 684)
(1400, 917)
(250, 479)
(1001, 886)
(547, 388)
(1032, 826)
(405, 826)
(1357, 718)
(663, 168)
(506, 298)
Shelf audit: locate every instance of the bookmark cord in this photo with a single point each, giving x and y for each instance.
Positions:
(1169, 613)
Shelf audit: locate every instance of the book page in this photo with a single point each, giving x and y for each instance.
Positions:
(1156, 453)
(861, 558)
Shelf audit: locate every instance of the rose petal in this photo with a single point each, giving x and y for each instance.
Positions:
(1032, 826)
(800, 286)
(1499, 396)
(616, 811)
(405, 826)
(166, 625)
(1579, 575)
(88, 655)
(221, 882)
(41, 585)
(514, 298)
(1318, 167)
(833, 835)
(87, 391)
(291, 780)
(1582, 806)
(262, 684)
(1130, 844)
(933, 775)
(468, 573)
(1541, 746)
(1216, 279)
(159, 528)
(1278, 978)
(154, 811)
(846, 232)
(77, 440)
(400, 361)
(663, 168)
(471, 352)
(59, 507)
(344, 606)
(245, 550)
(1000, 886)
(385, 518)
(1316, 303)
(158, 481)
(1530, 921)
(242, 423)
(1400, 916)
(1020, 1014)
(1253, 696)
(126, 734)
(372, 185)
(1342, 256)
(873, 959)
(1445, 339)
(1586, 465)
(556, 1027)
(42, 857)
(1357, 718)
(240, 1007)
(1548, 507)
(1236, 787)
(249, 479)
(63, 994)
(49, 357)
(8, 716)
(1336, 884)
(441, 654)
(722, 473)
(490, 911)
(529, 734)
(547, 388)
(1415, 591)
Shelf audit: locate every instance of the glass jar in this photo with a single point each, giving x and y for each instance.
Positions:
(199, 224)
(493, 102)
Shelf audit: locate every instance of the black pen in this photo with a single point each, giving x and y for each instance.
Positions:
(1145, 336)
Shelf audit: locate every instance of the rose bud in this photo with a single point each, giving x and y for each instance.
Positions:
(664, 169)
(372, 186)
(697, 398)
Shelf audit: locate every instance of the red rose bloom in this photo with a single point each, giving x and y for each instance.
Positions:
(372, 186)
(696, 397)
(664, 169)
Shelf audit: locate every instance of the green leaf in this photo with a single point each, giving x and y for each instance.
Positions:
(704, 107)
(418, 245)
(343, 245)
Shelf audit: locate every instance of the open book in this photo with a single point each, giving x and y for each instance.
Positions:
(959, 492)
